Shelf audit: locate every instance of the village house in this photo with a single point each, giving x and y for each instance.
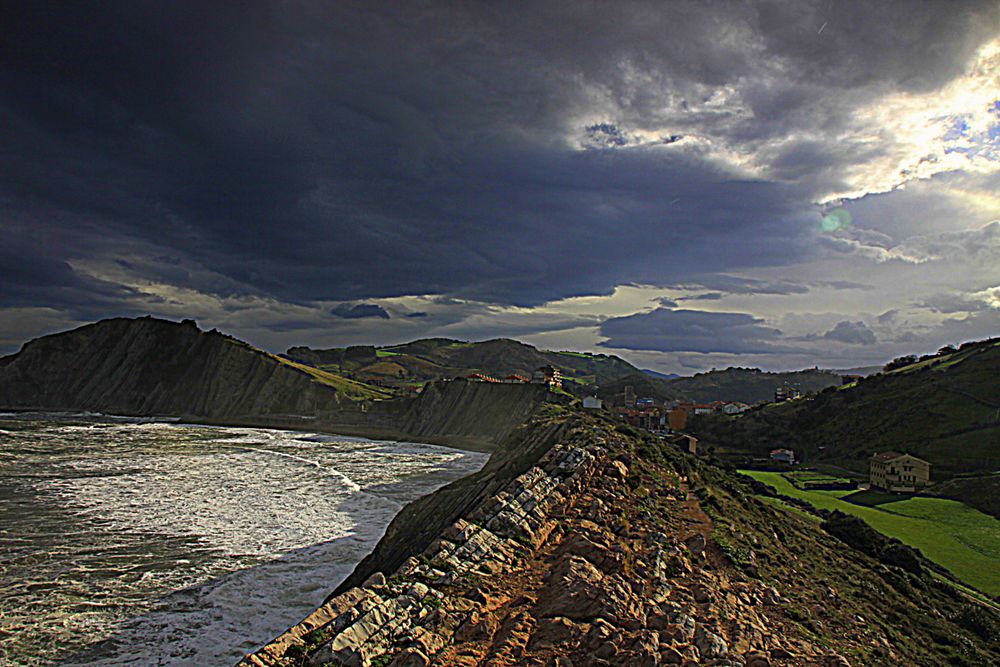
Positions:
(548, 375)
(677, 419)
(896, 472)
(734, 408)
(785, 456)
(685, 443)
(786, 393)
(629, 397)
(592, 403)
(650, 419)
(514, 378)
(480, 377)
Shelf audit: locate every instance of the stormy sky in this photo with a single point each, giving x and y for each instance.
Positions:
(685, 184)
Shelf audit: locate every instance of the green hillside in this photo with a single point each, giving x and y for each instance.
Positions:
(943, 409)
(751, 385)
(957, 537)
(746, 385)
(349, 388)
(426, 359)
(435, 358)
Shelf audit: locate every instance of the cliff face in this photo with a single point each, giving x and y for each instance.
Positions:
(423, 520)
(148, 366)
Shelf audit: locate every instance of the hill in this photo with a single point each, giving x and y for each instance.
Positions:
(153, 367)
(439, 358)
(943, 409)
(746, 385)
(751, 385)
(149, 366)
(662, 376)
(586, 543)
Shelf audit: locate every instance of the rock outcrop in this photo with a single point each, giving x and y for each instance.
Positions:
(607, 550)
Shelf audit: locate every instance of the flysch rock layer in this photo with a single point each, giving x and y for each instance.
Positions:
(549, 571)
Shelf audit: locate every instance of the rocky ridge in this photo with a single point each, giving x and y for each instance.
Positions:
(608, 552)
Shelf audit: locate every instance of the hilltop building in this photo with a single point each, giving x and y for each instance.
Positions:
(786, 393)
(481, 377)
(548, 375)
(897, 472)
(515, 378)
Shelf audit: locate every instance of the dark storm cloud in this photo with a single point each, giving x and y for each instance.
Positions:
(707, 296)
(664, 330)
(723, 284)
(853, 333)
(360, 310)
(354, 151)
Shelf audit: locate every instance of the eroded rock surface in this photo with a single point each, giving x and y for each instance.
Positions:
(565, 565)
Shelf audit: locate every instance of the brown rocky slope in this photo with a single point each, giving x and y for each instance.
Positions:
(609, 548)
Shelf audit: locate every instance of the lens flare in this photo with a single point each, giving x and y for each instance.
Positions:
(836, 219)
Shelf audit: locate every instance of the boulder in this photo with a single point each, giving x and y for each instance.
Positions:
(555, 631)
(695, 544)
(710, 645)
(671, 656)
(411, 657)
(578, 590)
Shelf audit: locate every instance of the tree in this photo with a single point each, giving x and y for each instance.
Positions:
(900, 362)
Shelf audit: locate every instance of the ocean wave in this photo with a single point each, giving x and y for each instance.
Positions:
(187, 546)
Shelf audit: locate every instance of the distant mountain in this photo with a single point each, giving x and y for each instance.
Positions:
(438, 358)
(149, 366)
(945, 409)
(662, 376)
(750, 385)
(745, 385)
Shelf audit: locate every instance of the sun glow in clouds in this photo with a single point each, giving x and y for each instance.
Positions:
(955, 128)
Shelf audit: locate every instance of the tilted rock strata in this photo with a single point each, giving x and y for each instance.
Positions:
(544, 572)
(148, 366)
(409, 611)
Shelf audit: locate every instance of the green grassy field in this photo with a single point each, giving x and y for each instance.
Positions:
(952, 534)
(349, 388)
(804, 479)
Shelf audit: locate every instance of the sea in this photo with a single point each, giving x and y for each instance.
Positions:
(138, 542)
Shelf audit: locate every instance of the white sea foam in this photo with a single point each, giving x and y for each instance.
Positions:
(191, 546)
